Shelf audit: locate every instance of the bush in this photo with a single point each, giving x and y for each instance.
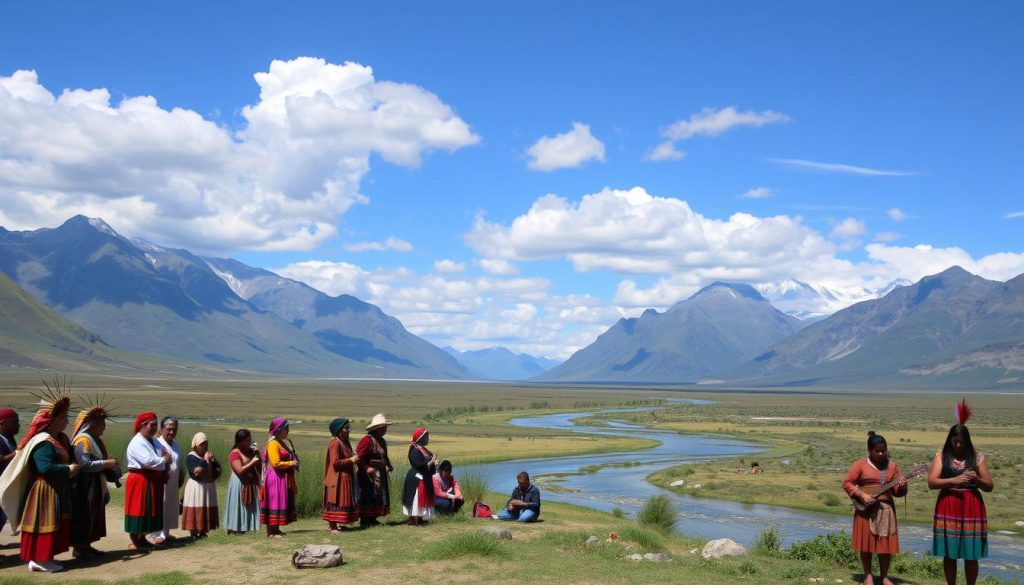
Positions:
(768, 542)
(464, 544)
(618, 513)
(747, 567)
(310, 481)
(473, 481)
(646, 539)
(396, 483)
(830, 500)
(833, 548)
(658, 513)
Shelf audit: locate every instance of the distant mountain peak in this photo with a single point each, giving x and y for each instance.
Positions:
(81, 221)
(735, 290)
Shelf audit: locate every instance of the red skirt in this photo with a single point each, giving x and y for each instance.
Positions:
(144, 501)
(44, 546)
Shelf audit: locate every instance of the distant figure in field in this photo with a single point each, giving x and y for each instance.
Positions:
(277, 500)
(9, 427)
(448, 498)
(418, 490)
(35, 489)
(147, 463)
(755, 468)
(242, 505)
(167, 440)
(875, 530)
(374, 467)
(524, 505)
(89, 495)
(199, 512)
(960, 529)
(341, 491)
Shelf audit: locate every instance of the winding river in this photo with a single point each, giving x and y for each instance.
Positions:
(618, 480)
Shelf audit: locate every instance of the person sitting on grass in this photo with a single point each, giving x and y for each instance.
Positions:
(448, 498)
(524, 505)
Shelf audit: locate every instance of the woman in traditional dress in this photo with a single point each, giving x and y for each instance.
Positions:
(277, 498)
(374, 467)
(242, 512)
(89, 490)
(36, 486)
(960, 529)
(418, 490)
(341, 493)
(144, 489)
(175, 479)
(875, 531)
(199, 512)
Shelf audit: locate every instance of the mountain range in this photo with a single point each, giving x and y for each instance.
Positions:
(499, 363)
(813, 302)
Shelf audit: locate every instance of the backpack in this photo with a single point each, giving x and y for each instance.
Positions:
(481, 510)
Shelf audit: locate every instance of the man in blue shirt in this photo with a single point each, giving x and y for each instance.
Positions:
(524, 505)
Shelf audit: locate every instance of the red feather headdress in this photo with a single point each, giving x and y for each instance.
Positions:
(54, 402)
(962, 412)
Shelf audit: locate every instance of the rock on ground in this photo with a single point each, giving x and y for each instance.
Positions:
(723, 547)
(657, 557)
(636, 557)
(1019, 523)
(592, 541)
(317, 556)
(677, 483)
(499, 532)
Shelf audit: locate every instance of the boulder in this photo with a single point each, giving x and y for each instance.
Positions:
(677, 483)
(723, 547)
(317, 556)
(697, 486)
(1019, 523)
(658, 557)
(592, 541)
(635, 557)
(499, 532)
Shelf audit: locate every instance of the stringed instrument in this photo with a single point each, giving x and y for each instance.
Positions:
(915, 472)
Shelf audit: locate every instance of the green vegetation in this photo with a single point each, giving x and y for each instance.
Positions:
(658, 513)
(464, 544)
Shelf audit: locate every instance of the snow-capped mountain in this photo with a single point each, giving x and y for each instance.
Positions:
(813, 301)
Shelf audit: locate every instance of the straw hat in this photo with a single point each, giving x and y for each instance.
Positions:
(377, 421)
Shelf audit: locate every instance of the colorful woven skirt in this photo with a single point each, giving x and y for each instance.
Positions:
(143, 501)
(277, 500)
(960, 529)
(45, 530)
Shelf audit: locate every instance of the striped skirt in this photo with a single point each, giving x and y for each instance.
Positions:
(45, 530)
(199, 512)
(960, 528)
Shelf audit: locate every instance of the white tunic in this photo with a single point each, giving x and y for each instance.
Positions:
(171, 489)
(144, 454)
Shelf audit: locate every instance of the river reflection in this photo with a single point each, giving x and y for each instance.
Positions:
(618, 480)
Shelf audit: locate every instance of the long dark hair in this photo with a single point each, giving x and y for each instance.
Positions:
(241, 435)
(970, 457)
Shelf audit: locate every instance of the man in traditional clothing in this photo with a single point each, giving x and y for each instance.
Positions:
(89, 492)
(374, 467)
(144, 489)
(35, 489)
(9, 427)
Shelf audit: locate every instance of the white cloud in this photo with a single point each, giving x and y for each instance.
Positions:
(390, 244)
(897, 214)
(849, 228)
(665, 151)
(839, 168)
(712, 122)
(1014, 215)
(568, 150)
(449, 266)
(279, 183)
(915, 262)
(888, 236)
(498, 266)
(758, 193)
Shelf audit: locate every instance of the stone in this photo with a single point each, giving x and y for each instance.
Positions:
(657, 557)
(723, 547)
(694, 551)
(636, 557)
(697, 486)
(816, 579)
(317, 556)
(1019, 523)
(592, 541)
(677, 483)
(1006, 532)
(499, 532)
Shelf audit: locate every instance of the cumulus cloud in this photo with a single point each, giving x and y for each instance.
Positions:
(449, 266)
(390, 244)
(563, 151)
(279, 183)
(897, 214)
(849, 228)
(758, 193)
(839, 168)
(915, 262)
(709, 122)
(498, 266)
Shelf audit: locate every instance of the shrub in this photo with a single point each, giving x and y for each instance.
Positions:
(747, 567)
(618, 513)
(658, 513)
(396, 482)
(833, 548)
(464, 544)
(646, 539)
(310, 482)
(830, 500)
(768, 542)
(473, 481)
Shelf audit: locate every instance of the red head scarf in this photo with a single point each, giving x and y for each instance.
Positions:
(8, 413)
(418, 434)
(46, 415)
(142, 419)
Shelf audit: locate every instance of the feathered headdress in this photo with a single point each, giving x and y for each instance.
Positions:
(94, 409)
(54, 402)
(962, 412)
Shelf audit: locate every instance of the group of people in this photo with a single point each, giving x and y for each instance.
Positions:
(960, 522)
(54, 489)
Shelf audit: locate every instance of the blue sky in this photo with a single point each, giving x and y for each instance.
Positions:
(885, 140)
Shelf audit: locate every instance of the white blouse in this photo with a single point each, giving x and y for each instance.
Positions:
(144, 454)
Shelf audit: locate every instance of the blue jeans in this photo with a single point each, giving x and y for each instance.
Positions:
(521, 515)
(447, 507)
